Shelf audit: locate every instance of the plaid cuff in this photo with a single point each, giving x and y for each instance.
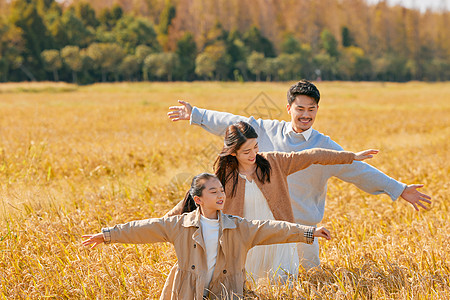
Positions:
(309, 235)
(106, 235)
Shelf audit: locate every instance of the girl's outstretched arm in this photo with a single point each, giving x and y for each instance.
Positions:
(322, 232)
(267, 232)
(137, 232)
(93, 239)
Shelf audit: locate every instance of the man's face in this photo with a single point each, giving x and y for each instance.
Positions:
(303, 113)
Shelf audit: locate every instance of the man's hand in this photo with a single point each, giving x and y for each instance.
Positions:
(93, 239)
(365, 154)
(322, 232)
(413, 196)
(182, 112)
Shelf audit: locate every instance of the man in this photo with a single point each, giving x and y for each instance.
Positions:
(308, 187)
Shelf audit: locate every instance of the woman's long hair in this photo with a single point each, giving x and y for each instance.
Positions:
(197, 187)
(226, 165)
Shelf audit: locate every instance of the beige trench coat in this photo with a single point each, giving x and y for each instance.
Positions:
(236, 236)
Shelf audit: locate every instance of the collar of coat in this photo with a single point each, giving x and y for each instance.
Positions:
(192, 219)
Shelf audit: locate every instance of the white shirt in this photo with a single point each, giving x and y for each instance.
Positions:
(210, 231)
(306, 134)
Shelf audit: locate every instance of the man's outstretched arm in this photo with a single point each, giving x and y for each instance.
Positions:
(179, 113)
(416, 198)
(212, 121)
(373, 181)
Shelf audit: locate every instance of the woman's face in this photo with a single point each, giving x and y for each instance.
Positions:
(246, 155)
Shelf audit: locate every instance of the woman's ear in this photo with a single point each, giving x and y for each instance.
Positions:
(233, 154)
(198, 200)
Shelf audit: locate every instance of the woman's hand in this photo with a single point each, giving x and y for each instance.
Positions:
(93, 239)
(322, 232)
(365, 154)
(182, 112)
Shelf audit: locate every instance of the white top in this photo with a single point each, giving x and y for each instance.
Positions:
(210, 231)
(255, 204)
(306, 134)
(266, 261)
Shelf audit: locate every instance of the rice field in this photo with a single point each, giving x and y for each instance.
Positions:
(74, 159)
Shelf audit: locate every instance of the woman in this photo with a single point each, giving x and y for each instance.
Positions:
(256, 186)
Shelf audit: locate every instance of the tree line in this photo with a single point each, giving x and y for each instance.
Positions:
(88, 42)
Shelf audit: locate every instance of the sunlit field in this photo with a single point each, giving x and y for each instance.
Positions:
(76, 159)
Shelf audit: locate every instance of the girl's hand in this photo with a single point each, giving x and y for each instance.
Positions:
(365, 154)
(182, 112)
(322, 232)
(93, 239)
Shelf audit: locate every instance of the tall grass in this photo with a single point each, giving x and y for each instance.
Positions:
(75, 159)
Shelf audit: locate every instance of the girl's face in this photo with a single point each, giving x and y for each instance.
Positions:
(246, 155)
(213, 196)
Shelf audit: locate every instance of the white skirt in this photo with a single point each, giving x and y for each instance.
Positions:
(273, 262)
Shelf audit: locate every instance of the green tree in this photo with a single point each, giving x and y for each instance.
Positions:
(166, 18)
(35, 35)
(290, 45)
(205, 65)
(215, 34)
(305, 61)
(49, 11)
(106, 57)
(44, 6)
(329, 43)
(52, 62)
(186, 52)
(142, 51)
(271, 68)
(129, 66)
(73, 59)
(391, 67)
(437, 69)
(222, 61)
(11, 47)
(161, 65)
(353, 65)
(288, 66)
(70, 30)
(85, 12)
(131, 32)
(238, 53)
(347, 38)
(255, 63)
(326, 66)
(109, 17)
(255, 41)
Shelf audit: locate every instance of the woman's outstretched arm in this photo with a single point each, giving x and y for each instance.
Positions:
(296, 161)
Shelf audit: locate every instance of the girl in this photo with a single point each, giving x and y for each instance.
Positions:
(211, 247)
(256, 185)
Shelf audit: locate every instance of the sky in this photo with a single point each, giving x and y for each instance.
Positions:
(422, 5)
